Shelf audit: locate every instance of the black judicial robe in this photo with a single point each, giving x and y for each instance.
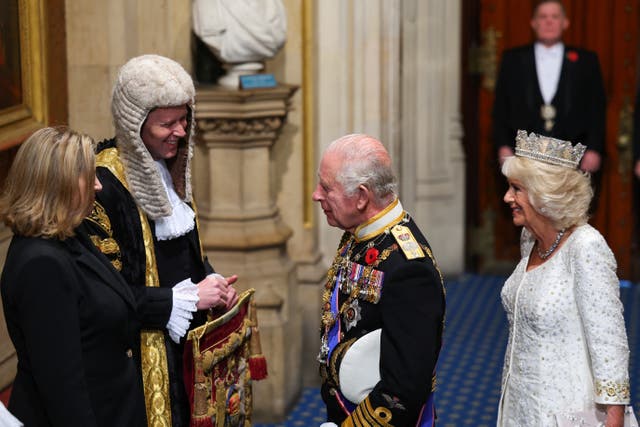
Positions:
(176, 260)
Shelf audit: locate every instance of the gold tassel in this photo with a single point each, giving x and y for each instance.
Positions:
(257, 361)
(200, 417)
(221, 403)
(199, 389)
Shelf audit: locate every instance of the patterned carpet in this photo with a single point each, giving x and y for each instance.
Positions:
(471, 360)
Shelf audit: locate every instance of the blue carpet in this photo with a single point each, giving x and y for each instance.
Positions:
(470, 364)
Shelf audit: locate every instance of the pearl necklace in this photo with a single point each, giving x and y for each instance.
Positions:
(554, 245)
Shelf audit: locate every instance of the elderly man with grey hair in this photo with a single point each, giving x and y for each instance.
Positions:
(383, 303)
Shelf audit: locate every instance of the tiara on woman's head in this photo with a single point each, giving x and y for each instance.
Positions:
(548, 150)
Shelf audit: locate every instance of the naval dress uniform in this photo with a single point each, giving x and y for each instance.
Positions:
(381, 327)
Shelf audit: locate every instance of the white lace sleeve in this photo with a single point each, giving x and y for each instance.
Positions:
(597, 292)
(185, 298)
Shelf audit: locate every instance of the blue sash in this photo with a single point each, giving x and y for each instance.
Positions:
(333, 337)
(428, 413)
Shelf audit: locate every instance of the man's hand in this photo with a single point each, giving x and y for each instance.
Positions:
(590, 161)
(504, 152)
(216, 291)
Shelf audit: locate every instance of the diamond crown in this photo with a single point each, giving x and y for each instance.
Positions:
(548, 150)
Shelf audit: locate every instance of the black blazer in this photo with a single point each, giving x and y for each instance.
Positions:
(580, 100)
(636, 128)
(72, 320)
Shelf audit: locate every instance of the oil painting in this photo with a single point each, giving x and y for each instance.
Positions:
(10, 63)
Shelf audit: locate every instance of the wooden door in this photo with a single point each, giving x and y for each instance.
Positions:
(609, 28)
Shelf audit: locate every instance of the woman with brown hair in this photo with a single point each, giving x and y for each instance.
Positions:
(70, 315)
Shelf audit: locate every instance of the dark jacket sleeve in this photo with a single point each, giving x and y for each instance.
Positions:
(47, 307)
(596, 122)
(208, 268)
(153, 306)
(412, 317)
(636, 128)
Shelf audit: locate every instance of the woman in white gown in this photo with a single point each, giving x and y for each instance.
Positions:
(567, 354)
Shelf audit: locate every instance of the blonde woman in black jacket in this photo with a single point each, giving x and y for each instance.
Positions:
(70, 315)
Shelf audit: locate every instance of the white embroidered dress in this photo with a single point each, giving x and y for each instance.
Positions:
(567, 345)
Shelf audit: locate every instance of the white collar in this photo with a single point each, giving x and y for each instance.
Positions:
(182, 218)
(553, 51)
(386, 218)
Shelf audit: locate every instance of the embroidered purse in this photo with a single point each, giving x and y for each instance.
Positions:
(221, 359)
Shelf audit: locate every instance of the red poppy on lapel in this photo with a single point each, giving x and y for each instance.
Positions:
(371, 255)
(572, 56)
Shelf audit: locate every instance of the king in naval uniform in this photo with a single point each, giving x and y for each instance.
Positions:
(383, 303)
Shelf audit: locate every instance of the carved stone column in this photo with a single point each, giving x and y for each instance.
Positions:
(432, 158)
(241, 229)
(411, 101)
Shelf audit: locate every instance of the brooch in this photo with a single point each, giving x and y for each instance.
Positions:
(351, 315)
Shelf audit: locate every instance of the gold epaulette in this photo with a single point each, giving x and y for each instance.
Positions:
(407, 242)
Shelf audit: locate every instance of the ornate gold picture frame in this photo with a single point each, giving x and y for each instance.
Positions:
(25, 54)
(33, 54)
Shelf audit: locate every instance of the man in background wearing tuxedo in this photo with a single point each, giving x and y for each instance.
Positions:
(551, 89)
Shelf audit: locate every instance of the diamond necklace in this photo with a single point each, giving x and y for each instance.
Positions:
(554, 245)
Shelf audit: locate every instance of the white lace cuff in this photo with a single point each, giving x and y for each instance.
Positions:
(185, 298)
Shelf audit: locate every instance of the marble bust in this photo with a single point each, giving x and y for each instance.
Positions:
(240, 33)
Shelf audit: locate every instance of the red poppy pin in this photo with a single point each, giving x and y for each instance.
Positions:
(371, 255)
(572, 56)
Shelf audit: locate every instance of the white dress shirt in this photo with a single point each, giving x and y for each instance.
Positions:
(548, 67)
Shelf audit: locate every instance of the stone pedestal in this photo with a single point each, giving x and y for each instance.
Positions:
(241, 229)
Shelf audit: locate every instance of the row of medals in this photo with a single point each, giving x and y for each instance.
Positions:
(352, 314)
